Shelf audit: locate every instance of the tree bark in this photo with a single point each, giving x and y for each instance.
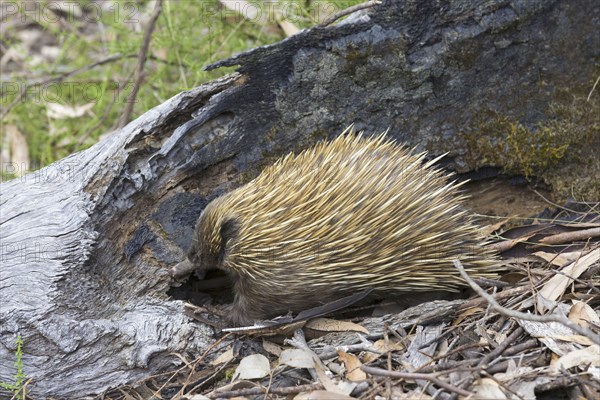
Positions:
(87, 242)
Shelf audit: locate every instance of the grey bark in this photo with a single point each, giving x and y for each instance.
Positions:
(86, 243)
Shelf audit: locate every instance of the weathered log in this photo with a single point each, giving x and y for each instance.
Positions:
(86, 242)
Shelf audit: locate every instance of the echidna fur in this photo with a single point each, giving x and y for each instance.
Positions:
(346, 215)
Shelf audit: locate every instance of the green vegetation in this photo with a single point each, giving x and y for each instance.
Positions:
(561, 150)
(503, 141)
(17, 386)
(104, 43)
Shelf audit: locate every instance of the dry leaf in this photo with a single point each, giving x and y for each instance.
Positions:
(248, 10)
(551, 334)
(517, 377)
(582, 314)
(581, 357)
(389, 346)
(287, 27)
(321, 395)
(525, 388)
(381, 348)
(255, 366)
(488, 389)
(509, 244)
(60, 111)
(516, 373)
(198, 397)
(223, 358)
(556, 286)
(231, 386)
(346, 387)
(332, 325)
(488, 229)
(271, 348)
(18, 149)
(297, 358)
(468, 312)
(499, 337)
(560, 260)
(326, 381)
(584, 340)
(352, 364)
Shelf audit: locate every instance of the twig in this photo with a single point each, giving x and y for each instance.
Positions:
(388, 382)
(373, 389)
(139, 70)
(593, 87)
(500, 349)
(352, 348)
(587, 392)
(524, 316)
(477, 302)
(556, 205)
(197, 385)
(452, 352)
(516, 349)
(562, 382)
(584, 380)
(437, 339)
(261, 390)
(203, 381)
(298, 341)
(567, 237)
(414, 376)
(447, 367)
(484, 361)
(347, 11)
(268, 390)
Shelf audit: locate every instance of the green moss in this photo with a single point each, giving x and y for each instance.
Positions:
(229, 373)
(357, 54)
(501, 141)
(561, 150)
(577, 122)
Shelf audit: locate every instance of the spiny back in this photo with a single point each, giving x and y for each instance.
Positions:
(348, 214)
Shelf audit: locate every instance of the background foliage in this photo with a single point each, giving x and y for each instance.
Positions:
(67, 67)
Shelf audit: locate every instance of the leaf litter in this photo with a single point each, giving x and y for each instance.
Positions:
(535, 336)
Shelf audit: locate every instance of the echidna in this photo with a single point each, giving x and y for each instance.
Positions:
(350, 214)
